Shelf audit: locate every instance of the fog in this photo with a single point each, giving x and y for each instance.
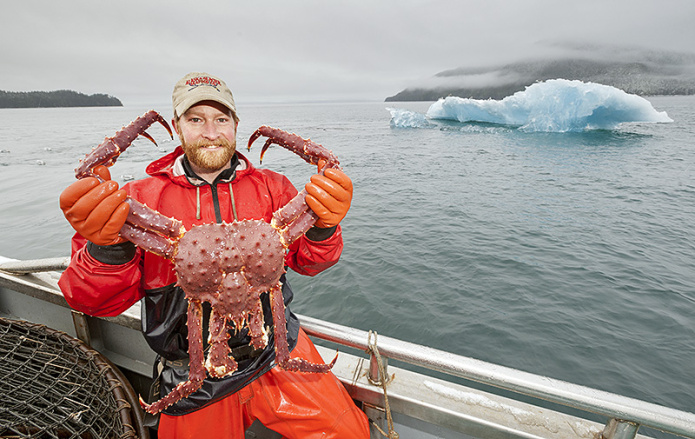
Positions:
(310, 49)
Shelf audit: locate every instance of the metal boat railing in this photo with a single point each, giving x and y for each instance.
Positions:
(625, 415)
(35, 265)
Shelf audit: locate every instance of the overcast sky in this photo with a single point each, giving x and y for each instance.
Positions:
(306, 49)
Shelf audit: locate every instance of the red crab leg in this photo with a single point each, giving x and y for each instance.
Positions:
(149, 219)
(145, 227)
(150, 230)
(295, 215)
(282, 353)
(109, 150)
(311, 152)
(148, 240)
(196, 373)
(294, 219)
(219, 363)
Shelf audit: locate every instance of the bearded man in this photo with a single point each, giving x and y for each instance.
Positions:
(203, 181)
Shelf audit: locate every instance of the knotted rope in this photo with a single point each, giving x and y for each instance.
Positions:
(372, 349)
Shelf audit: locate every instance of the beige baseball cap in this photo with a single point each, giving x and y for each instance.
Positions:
(196, 87)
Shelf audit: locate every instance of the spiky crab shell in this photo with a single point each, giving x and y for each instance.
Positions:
(222, 263)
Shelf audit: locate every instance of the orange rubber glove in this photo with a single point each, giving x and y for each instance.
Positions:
(329, 196)
(96, 210)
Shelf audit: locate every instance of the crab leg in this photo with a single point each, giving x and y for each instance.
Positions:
(219, 362)
(305, 148)
(196, 373)
(109, 150)
(150, 230)
(144, 227)
(148, 240)
(281, 351)
(295, 217)
(149, 219)
(296, 207)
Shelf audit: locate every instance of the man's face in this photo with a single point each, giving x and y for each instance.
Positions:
(208, 135)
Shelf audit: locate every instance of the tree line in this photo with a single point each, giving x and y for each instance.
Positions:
(59, 98)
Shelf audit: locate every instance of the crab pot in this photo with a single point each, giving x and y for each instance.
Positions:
(54, 386)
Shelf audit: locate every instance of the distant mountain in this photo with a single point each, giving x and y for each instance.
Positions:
(59, 98)
(662, 74)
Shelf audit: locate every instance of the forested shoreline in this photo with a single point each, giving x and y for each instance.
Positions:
(58, 98)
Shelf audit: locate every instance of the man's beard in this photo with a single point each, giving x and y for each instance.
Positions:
(209, 160)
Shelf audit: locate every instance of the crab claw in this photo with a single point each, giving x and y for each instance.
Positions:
(109, 150)
(311, 152)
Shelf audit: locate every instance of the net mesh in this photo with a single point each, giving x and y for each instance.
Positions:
(54, 386)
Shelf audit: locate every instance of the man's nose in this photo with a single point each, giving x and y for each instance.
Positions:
(210, 131)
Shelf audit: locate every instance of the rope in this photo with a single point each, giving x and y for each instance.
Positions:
(372, 349)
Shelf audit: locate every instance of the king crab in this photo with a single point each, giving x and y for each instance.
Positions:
(227, 265)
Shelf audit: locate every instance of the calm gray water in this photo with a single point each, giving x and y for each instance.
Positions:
(566, 255)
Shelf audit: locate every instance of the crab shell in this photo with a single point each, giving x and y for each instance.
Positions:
(230, 264)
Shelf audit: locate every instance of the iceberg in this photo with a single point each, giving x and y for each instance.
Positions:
(402, 118)
(557, 105)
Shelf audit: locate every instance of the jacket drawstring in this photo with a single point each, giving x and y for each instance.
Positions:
(231, 197)
(197, 202)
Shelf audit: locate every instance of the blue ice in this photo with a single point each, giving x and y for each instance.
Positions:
(557, 105)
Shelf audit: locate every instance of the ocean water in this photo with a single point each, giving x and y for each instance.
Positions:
(569, 255)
